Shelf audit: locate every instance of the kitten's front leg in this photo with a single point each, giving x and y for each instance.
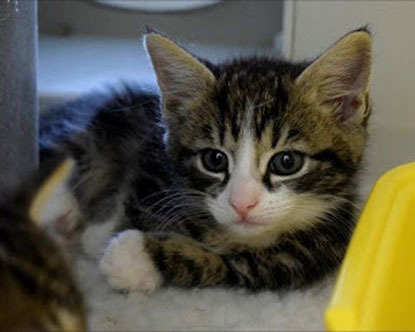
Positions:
(128, 265)
(137, 261)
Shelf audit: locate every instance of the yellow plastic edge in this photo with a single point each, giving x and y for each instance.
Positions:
(375, 289)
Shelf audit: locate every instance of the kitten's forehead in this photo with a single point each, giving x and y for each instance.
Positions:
(264, 97)
(259, 84)
(250, 101)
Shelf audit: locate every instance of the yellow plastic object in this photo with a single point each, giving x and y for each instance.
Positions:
(375, 289)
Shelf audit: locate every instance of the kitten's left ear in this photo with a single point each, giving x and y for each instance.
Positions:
(53, 207)
(181, 77)
(339, 78)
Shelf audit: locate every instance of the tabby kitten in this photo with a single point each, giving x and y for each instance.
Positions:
(242, 175)
(37, 290)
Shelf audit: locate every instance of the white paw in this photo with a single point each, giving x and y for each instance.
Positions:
(128, 266)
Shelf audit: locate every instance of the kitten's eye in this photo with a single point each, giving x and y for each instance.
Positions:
(214, 160)
(286, 163)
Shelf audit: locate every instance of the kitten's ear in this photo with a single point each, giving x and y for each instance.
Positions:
(181, 77)
(53, 206)
(339, 78)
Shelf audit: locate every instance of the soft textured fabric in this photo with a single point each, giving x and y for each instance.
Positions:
(195, 309)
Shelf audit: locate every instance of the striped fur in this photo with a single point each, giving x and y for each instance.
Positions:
(139, 160)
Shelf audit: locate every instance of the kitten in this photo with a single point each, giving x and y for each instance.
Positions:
(37, 289)
(242, 175)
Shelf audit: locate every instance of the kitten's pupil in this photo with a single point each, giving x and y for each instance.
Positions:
(214, 160)
(286, 163)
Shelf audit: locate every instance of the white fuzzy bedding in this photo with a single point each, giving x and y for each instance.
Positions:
(196, 309)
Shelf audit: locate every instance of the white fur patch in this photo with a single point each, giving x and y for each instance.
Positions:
(128, 266)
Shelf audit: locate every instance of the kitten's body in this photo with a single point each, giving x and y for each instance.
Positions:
(150, 178)
(38, 292)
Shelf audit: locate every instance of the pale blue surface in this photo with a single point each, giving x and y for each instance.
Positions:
(70, 66)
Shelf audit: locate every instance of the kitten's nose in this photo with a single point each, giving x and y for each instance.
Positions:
(243, 200)
(243, 209)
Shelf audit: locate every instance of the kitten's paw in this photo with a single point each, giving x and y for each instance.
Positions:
(128, 266)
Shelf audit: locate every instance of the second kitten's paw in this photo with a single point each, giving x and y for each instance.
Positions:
(128, 266)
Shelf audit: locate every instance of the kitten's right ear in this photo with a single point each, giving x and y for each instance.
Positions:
(181, 77)
(340, 77)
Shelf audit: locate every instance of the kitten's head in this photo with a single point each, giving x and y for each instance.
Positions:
(273, 144)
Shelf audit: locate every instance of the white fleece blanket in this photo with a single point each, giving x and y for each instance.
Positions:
(195, 309)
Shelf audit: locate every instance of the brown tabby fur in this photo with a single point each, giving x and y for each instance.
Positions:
(154, 185)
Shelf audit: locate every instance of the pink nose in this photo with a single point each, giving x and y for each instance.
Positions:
(243, 204)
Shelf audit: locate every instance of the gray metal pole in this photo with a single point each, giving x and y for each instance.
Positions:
(18, 98)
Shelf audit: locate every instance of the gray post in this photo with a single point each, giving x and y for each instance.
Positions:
(18, 99)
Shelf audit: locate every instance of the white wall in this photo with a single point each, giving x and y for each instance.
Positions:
(84, 45)
(254, 22)
(317, 24)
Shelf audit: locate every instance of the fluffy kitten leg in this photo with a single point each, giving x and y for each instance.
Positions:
(137, 261)
(128, 265)
(143, 261)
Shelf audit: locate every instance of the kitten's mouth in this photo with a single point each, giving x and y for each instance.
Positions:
(248, 223)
